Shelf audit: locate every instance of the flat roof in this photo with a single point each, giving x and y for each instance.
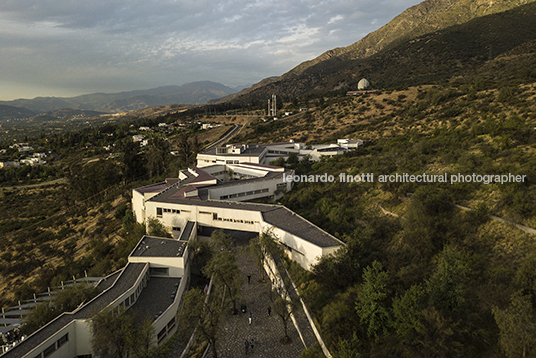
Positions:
(276, 215)
(291, 222)
(187, 231)
(128, 277)
(153, 188)
(156, 297)
(251, 150)
(152, 246)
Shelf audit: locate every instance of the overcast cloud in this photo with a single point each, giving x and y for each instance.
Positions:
(71, 47)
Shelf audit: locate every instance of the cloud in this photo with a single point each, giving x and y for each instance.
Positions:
(69, 46)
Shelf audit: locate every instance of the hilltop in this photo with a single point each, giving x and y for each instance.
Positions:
(430, 42)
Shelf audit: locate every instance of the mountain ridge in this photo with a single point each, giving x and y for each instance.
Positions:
(425, 18)
(190, 93)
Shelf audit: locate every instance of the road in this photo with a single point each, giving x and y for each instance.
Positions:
(29, 186)
(225, 137)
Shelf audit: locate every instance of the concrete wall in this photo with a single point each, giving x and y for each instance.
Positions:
(298, 249)
(175, 264)
(68, 349)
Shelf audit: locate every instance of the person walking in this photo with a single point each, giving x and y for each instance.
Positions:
(252, 345)
(249, 278)
(250, 318)
(269, 311)
(246, 345)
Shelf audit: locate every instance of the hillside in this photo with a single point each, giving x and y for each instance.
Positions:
(190, 93)
(9, 112)
(450, 36)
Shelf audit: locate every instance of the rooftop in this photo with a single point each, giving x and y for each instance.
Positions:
(156, 297)
(276, 215)
(128, 277)
(250, 150)
(151, 246)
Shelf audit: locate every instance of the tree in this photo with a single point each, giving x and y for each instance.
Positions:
(219, 240)
(133, 162)
(260, 247)
(156, 228)
(226, 273)
(371, 305)
(110, 331)
(157, 155)
(447, 285)
(517, 326)
(40, 315)
(116, 334)
(284, 307)
(204, 311)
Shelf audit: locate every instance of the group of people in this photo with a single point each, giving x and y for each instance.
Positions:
(250, 344)
(9, 337)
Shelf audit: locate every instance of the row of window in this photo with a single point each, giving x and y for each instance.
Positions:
(160, 211)
(167, 329)
(215, 217)
(54, 346)
(247, 193)
(278, 152)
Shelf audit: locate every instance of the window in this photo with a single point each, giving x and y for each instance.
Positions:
(162, 334)
(159, 212)
(51, 349)
(205, 212)
(63, 340)
(171, 324)
(214, 216)
(159, 271)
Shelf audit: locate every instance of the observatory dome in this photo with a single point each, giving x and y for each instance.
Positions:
(363, 84)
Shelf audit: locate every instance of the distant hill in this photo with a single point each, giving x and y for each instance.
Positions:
(190, 93)
(10, 112)
(342, 68)
(66, 113)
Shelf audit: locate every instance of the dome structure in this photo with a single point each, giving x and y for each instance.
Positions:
(363, 84)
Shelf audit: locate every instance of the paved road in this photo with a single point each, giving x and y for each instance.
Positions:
(265, 330)
(225, 137)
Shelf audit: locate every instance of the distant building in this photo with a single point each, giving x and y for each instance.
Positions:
(9, 164)
(266, 153)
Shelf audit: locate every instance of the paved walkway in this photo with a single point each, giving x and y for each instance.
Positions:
(267, 331)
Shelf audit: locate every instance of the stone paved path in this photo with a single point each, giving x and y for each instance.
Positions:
(265, 330)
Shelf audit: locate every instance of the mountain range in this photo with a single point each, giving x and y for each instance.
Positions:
(432, 41)
(436, 40)
(190, 93)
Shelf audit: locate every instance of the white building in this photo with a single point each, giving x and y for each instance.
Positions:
(210, 202)
(266, 153)
(158, 269)
(233, 154)
(151, 284)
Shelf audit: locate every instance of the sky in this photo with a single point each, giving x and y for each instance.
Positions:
(70, 47)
